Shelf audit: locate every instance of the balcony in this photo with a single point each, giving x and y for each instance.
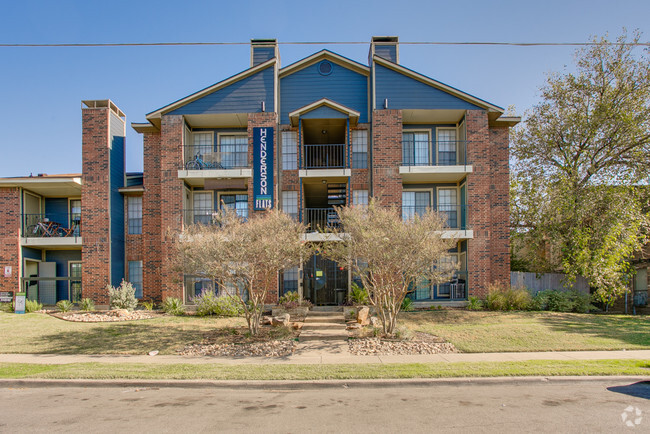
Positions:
(207, 216)
(324, 160)
(51, 230)
(455, 217)
(321, 219)
(202, 162)
(441, 161)
(454, 290)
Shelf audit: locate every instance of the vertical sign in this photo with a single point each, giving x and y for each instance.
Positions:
(19, 306)
(262, 168)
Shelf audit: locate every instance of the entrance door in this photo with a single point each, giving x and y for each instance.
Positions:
(325, 282)
(31, 270)
(47, 288)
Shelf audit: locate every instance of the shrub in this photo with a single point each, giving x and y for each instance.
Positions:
(8, 307)
(507, 298)
(32, 306)
(562, 301)
(474, 303)
(292, 299)
(173, 306)
(63, 305)
(148, 305)
(358, 295)
(122, 297)
(86, 304)
(407, 305)
(208, 303)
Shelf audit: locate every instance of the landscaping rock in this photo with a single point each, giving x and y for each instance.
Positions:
(121, 313)
(374, 322)
(353, 326)
(377, 346)
(266, 320)
(263, 349)
(362, 316)
(105, 316)
(282, 320)
(297, 325)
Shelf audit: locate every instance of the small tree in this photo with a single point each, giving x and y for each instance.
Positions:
(390, 256)
(244, 255)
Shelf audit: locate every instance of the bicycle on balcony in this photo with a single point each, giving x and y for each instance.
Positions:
(44, 228)
(199, 164)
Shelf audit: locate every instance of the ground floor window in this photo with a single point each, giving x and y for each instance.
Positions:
(289, 280)
(196, 285)
(135, 277)
(75, 281)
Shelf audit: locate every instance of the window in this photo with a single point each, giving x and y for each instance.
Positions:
(202, 145)
(75, 281)
(360, 197)
(75, 216)
(195, 285)
(234, 151)
(289, 280)
(203, 207)
(415, 202)
(447, 262)
(238, 202)
(415, 148)
(135, 277)
(290, 203)
(134, 214)
(448, 205)
(360, 149)
(446, 146)
(289, 150)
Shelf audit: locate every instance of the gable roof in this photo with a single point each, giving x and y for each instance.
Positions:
(352, 114)
(438, 85)
(154, 117)
(324, 55)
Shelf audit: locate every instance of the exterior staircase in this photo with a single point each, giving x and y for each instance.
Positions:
(323, 333)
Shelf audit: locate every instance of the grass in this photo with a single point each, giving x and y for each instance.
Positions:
(476, 332)
(36, 333)
(323, 372)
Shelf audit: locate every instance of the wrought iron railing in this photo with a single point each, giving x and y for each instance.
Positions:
(455, 215)
(321, 219)
(205, 157)
(440, 153)
(45, 225)
(206, 216)
(332, 156)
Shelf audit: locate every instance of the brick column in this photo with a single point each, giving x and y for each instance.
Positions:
(387, 156)
(10, 238)
(500, 205)
(95, 204)
(171, 201)
(151, 239)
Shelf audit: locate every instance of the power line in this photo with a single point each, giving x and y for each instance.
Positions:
(181, 44)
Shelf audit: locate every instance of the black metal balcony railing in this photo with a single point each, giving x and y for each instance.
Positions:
(200, 157)
(455, 215)
(324, 157)
(207, 216)
(440, 153)
(46, 225)
(321, 219)
(454, 289)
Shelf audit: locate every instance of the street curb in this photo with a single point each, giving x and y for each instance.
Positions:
(311, 384)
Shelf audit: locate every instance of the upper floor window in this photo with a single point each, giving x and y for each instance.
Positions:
(234, 150)
(290, 203)
(447, 143)
(203, 207)
(360, 149)
(289, 150)
(415, 202)
(360, 197)
(448, 205)
(237, 202)
(134, 214)
(415, 148)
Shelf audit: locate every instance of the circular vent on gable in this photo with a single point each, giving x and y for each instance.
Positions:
(325, 68)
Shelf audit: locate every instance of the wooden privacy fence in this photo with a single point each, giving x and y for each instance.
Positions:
(539, 282)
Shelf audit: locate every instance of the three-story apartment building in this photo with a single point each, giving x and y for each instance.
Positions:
(325, 131)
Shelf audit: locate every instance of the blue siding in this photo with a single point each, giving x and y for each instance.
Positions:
(324, 112)
(262, 54)
(404, 92)
(56, 209)
(117, 210)
(31, 253)
(243, 96)
(343, 86)
(388, 52)
(62, 257)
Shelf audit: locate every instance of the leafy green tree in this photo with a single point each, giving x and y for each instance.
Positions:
(581, 162)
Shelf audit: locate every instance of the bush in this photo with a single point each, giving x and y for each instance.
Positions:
(173, 306)
(122, 297)
(506, 298)
(562, 301)
(407, 305)
(292, 299)
(208, 303)
(474, 303)
(32, 306)
(86, 304)
(8, 307)
(148, 305)
(63, 305)
(358, 295)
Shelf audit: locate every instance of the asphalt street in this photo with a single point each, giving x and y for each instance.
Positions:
(609, 405)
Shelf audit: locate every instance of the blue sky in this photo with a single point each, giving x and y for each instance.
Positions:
(41, 88)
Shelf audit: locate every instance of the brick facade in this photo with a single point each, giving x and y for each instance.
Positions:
(10, 238)
(387, 156)
(151, 224)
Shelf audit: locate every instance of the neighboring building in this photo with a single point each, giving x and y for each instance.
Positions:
(341, 132)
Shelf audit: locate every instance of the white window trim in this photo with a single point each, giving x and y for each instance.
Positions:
(438, 129)
(427, 131)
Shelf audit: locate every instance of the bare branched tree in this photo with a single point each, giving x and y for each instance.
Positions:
(391, 256)
(244, 256)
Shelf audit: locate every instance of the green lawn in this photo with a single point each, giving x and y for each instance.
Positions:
(40, 333)
(323, 372)
(476, 332)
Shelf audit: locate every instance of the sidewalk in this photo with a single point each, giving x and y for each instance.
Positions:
(326, 357)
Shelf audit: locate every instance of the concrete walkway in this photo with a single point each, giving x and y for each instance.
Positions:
(323, 334)
(315, 357)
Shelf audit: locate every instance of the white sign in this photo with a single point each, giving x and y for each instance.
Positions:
(20, 303)
(8, 271)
